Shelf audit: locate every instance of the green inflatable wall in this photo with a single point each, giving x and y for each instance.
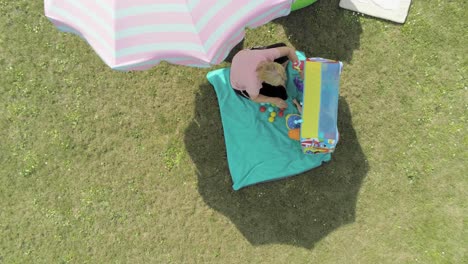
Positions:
(298, 4)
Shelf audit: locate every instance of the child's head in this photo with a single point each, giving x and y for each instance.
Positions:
(272, 73)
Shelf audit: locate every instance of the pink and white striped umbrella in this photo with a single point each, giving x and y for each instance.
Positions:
(137, 34)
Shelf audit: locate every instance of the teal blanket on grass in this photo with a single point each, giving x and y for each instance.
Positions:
(257, 150)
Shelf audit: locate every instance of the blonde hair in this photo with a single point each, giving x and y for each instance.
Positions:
(272, 73)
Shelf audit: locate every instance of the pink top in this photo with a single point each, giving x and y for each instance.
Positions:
(244, 66)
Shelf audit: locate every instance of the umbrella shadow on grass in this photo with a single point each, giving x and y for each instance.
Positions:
(323, 29)
(299, 210)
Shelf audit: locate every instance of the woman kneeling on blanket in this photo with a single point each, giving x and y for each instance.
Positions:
(259, 73)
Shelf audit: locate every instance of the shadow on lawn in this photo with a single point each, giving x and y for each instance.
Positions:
(323, 29)
(299, 210)
(303, 209)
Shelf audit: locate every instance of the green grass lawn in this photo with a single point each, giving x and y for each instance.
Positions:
(100, 166)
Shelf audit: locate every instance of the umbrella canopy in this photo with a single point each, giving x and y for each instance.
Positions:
(137, 34)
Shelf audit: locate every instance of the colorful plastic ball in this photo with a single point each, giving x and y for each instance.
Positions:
(281, 114)
(273, 114)
(262, 109)
(270, 109)
(271, 119)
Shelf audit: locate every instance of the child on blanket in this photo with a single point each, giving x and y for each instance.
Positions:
(259, 73)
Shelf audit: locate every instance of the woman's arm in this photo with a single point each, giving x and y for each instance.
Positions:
(272, 100)
(288, 51)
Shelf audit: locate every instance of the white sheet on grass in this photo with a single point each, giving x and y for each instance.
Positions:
(394, 10)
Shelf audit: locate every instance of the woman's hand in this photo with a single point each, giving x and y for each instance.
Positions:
(290, 52)
(292, 55)
(280, 103)
(298, 105)
(271, 100)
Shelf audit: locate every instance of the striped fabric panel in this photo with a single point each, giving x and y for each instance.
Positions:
(141, 33)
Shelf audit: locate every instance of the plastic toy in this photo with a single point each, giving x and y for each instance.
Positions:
(273, 111)
(298, 66)
(299, 84)
(293, 121)
(295, 134)
(298, 4)
(319, 109)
